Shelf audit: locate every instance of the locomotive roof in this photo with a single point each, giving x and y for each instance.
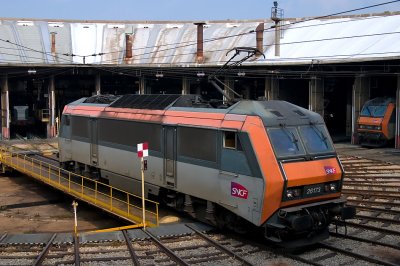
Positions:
(277, 113)
(380, 101)
(273, 113)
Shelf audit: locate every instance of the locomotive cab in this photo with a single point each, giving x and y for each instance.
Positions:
(313, 179)
(376, 123)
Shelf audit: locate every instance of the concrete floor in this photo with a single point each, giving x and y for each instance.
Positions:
(53, 211)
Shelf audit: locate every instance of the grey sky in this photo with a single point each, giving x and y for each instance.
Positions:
(180, 9)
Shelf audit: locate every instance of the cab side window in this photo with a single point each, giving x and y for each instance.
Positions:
(231, 140)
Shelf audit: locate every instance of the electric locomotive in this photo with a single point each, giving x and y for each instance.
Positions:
(376, 123)
(264, 164)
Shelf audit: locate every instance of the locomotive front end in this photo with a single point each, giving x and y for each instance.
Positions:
(376, 123)
(311, 177)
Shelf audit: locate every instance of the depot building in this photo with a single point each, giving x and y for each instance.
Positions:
(331, 66)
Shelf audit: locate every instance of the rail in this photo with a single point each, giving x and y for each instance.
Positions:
(113, 200)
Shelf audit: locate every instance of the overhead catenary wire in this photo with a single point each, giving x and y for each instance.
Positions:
(163, 56)
(31, 49)
(177, 73)
(221, 38)
(284, 43)
(272, 28)
(207, 40)
(148, 71)
(39, 75)
(265, 30)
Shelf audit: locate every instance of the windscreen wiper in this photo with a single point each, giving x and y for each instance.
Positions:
(290, 135)
(319, 133)
(369, 111)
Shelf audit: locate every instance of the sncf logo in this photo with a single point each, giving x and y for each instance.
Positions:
(237, 190)
(330, 170)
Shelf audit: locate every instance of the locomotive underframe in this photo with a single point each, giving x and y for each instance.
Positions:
(291, 227)
(306, 224)
(372, 139)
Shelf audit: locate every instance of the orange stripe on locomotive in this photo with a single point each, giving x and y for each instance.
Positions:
(300, 173)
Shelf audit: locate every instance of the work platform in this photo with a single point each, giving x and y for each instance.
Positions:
(112, 200)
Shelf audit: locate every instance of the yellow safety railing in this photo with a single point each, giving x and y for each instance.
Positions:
(104, 196)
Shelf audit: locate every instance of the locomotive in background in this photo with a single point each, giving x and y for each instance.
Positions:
(264, 164)
(377, 122)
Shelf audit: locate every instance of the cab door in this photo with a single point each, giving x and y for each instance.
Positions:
(170, 156)
(65, 141)
(94, 148)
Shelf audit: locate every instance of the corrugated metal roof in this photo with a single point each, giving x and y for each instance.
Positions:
(174, 43)
(342, 39)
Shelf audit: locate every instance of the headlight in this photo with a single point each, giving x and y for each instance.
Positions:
(333, 187)
(292, 193)
(362, 126)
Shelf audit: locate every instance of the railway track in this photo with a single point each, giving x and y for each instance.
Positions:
(373, 187)
(370, 235)
(372, 238)
(349, 251)
(189, 244)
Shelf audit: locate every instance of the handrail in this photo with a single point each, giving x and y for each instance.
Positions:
(83, 187)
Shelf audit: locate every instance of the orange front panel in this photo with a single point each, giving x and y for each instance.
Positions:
(373, 121)
(386, 119)
(310, 200)
(369, 121)
(377, 121)
(312, 172)
(268, 164)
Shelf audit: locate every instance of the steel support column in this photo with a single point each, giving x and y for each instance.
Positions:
(316, 95)
(142, 85)
(360, 94)
(271, 88)
(5, 109)
(185, 86)
(397, 139)
(98, 84)
(229, 83)
(51, 125)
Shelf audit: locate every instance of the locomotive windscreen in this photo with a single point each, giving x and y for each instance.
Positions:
(154, 102)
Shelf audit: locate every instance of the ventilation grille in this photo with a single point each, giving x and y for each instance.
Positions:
(101, 99)
(278, 114)
(299, 113)
(153, 102)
